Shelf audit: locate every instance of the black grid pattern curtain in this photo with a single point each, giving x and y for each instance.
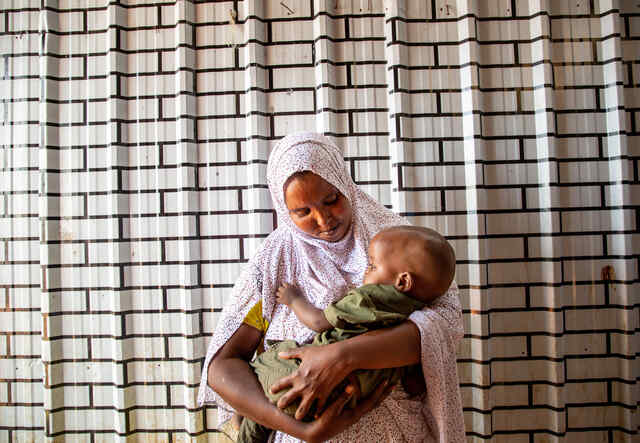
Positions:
(135, 137)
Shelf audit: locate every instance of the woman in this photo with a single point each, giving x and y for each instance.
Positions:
(324, 226)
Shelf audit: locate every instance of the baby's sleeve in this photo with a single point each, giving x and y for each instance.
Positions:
(348, 312)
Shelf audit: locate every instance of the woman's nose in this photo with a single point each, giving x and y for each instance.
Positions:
(323, 218)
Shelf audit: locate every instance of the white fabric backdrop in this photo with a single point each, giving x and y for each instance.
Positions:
(134, 145)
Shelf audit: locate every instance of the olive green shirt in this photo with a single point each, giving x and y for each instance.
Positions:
(361, 310)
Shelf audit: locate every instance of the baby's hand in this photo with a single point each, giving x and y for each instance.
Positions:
(286, 294)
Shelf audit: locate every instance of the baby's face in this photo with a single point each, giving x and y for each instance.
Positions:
(415, 261)
(383, 267)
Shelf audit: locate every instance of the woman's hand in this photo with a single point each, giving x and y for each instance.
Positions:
(336, 419)
(321, 369)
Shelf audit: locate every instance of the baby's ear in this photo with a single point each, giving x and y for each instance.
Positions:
(404, 282)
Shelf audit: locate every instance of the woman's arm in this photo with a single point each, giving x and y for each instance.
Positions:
(230, 375)
(383, 348)
(323, 367)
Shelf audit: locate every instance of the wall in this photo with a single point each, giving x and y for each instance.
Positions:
(134, 144)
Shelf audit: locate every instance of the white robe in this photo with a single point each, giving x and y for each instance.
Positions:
(324, 271)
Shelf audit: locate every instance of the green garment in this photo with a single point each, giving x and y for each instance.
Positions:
(363, 309)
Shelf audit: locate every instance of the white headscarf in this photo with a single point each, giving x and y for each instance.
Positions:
(322, 270)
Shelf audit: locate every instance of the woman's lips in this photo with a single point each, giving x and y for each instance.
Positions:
(331, 232)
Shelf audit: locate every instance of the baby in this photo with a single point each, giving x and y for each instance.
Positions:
(409, 267)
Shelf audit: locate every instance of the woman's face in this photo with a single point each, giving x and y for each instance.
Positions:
(317, 207)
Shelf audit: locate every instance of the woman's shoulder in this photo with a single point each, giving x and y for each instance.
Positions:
(272, 248)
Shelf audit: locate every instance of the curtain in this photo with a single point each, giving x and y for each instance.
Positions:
(135, 136)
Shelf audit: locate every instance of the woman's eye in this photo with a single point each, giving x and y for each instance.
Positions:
(333, 199)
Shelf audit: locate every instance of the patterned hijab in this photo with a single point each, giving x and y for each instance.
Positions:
(322, 270)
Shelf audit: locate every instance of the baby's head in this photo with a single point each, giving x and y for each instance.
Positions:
(417, 261)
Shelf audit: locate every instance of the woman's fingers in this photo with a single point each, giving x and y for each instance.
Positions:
(341, 402)
(314, 380)
(331, 421)
(292, 353)
(320, 405)
(287, 398)
(302, 410)
(336, 407)
(283, 383)
(298, 391)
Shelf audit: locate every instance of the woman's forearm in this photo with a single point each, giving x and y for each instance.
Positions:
(230, 375)
(234, 381)
(383, 348)
(324, 367)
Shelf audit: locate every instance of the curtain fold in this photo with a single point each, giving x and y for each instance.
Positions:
(135, 137)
